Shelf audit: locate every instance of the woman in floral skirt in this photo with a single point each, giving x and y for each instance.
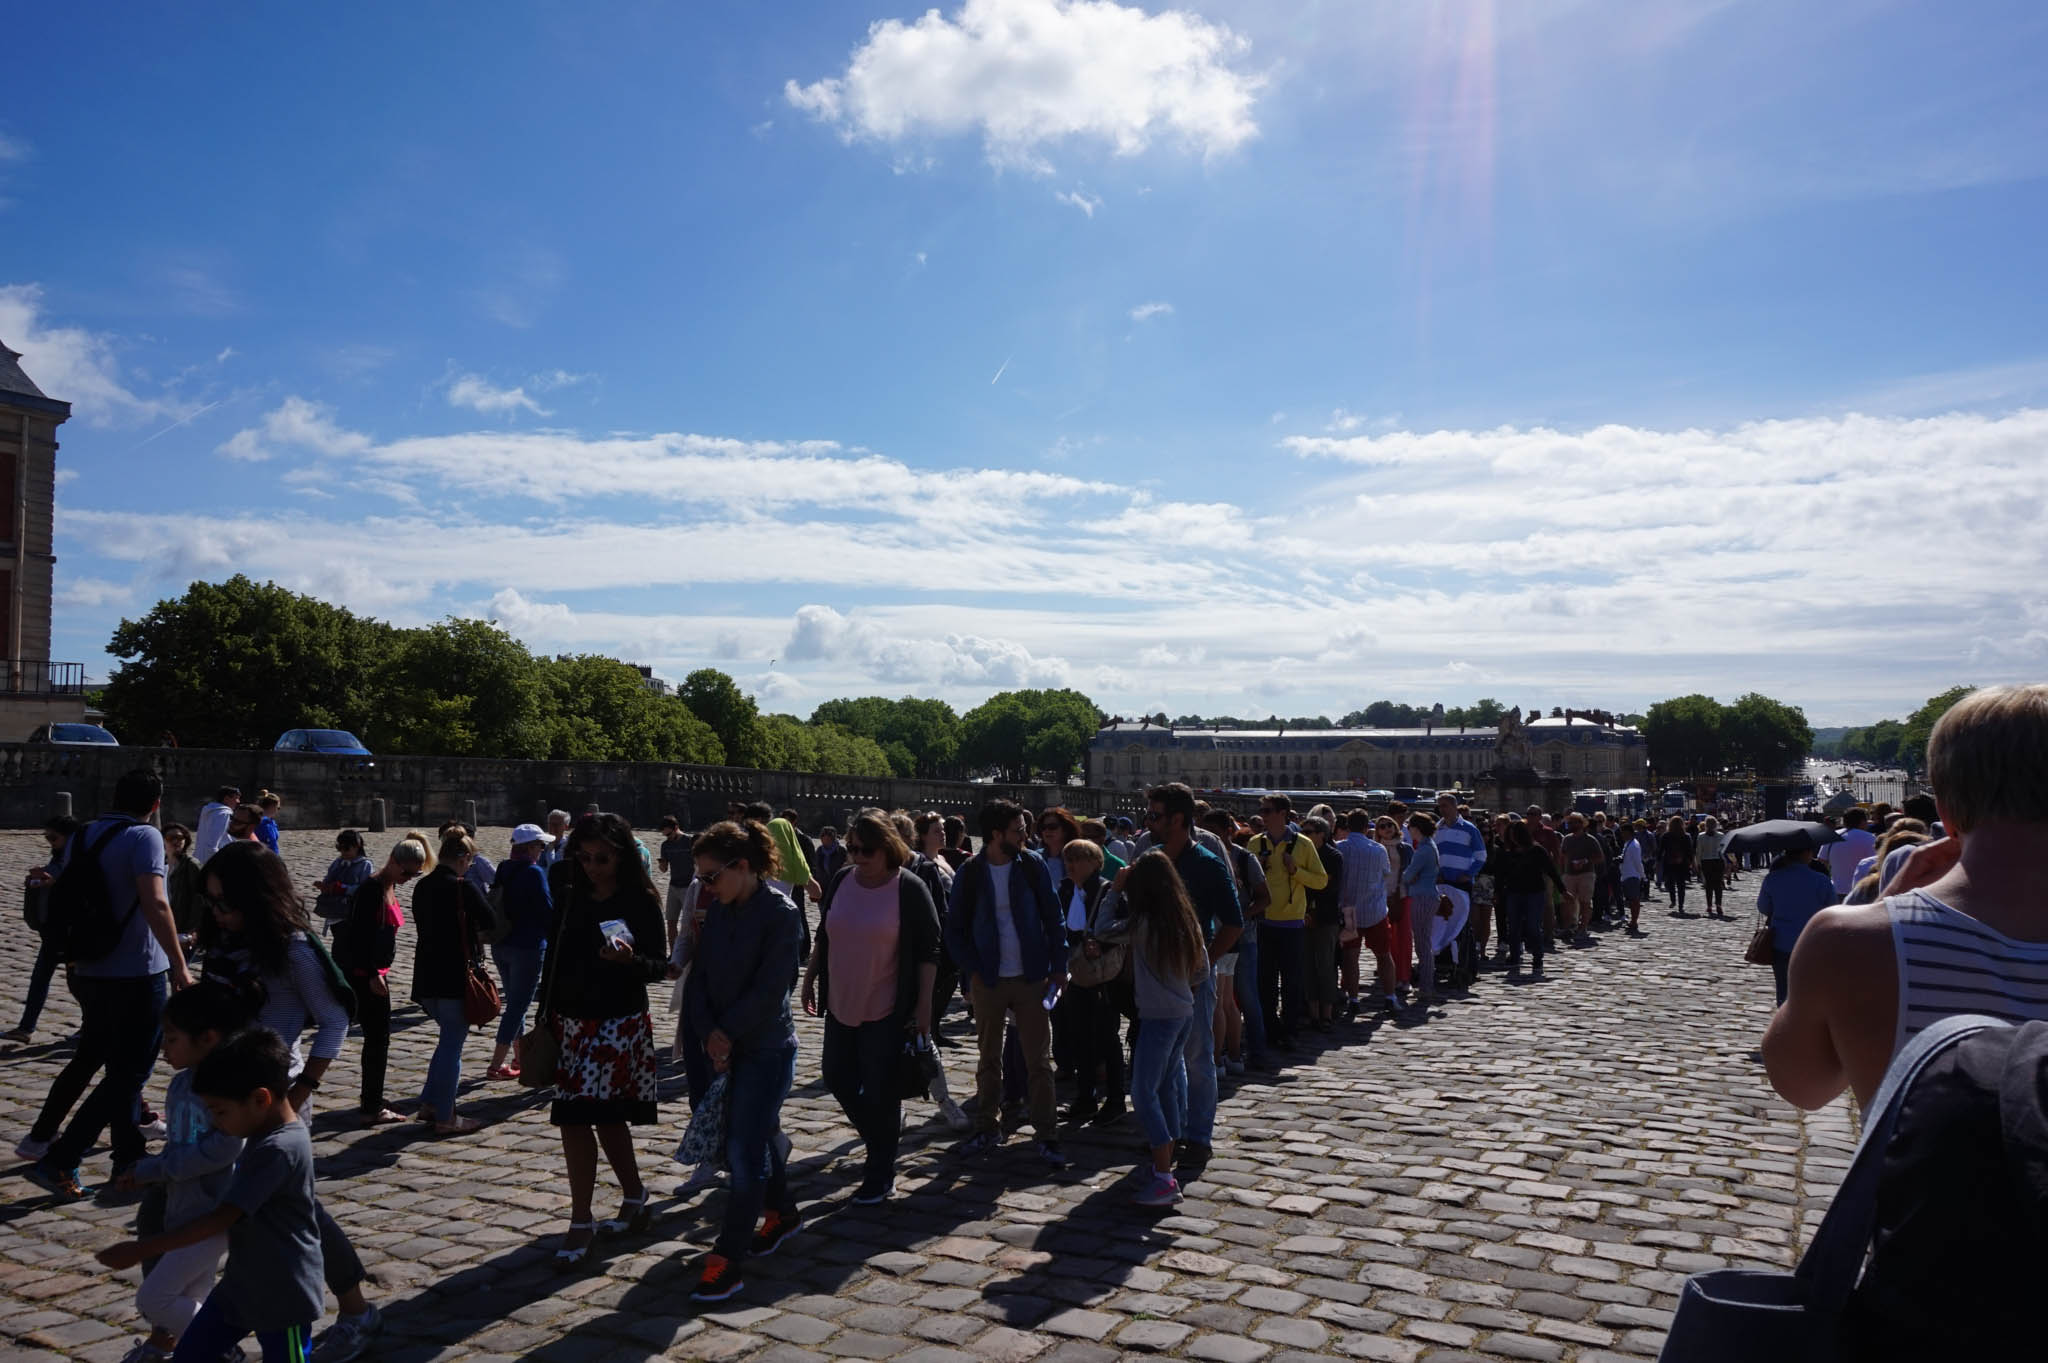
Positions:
(607, 947)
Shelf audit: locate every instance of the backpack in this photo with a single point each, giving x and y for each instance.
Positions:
(79, 923)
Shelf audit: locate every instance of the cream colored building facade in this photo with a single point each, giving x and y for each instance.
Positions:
(1126, 756)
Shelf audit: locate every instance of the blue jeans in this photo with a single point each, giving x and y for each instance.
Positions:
(218, 1327)
(1159, 1078)
(518, 977)
(1248, 992)
(756, 1085)
(39, 978)
(1198, 1114)
(119, 1033)
(444, 1071)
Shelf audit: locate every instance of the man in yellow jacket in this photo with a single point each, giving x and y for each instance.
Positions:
(1293, 868)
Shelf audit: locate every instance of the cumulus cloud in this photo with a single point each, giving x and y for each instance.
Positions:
(480, 395)
(1076, 199)
(78, 366)
(296, 423)
(823, 634)
(1028, 74)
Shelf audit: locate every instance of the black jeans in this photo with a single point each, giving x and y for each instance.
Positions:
(373, 1014)
(339, 1264)
(1092, 1040)
(39, 978)
(859, 1067)
(118, 1033)
(1283, 977)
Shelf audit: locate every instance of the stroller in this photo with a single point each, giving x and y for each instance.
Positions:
(1457, 965)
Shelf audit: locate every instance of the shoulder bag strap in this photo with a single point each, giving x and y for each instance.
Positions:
(1834, 1261)
(547, 986)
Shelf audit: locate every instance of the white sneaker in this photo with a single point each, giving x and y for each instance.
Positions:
(31, 1148)
(956, 1119)
(155, 1130)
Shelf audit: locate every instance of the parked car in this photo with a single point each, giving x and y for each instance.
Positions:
(328, 742)
(74, 736)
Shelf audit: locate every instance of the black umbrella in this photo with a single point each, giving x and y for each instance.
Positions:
(1781, 835)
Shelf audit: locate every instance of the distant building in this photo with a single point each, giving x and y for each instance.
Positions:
(649, 680)
(33, 690)
(1127, 755)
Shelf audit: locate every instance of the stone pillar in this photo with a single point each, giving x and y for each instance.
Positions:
(469, 812)
(377, 821)
(60, 805)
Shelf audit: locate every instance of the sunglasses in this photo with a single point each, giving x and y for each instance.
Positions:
(861, 849)
(712, 879)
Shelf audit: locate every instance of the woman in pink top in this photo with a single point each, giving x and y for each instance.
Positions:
(875, 957)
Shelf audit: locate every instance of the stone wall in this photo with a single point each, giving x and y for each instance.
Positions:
(336, 792)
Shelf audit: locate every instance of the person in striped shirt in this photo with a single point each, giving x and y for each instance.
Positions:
(1461, 852)
(1964, 926)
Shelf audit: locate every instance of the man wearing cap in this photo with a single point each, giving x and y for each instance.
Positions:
(521, 887)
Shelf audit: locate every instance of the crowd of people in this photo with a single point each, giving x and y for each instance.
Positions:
(1143, 967)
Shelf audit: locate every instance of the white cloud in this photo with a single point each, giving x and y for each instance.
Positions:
(1145, 312)
(1854, 565)
(823, 634)
(77, 366)
(296, 423)
(91, 593)
(1028, 74)
(1077, 199)
(479, 394)
(13, 149)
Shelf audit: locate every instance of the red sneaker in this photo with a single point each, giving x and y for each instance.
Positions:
(719, 1281)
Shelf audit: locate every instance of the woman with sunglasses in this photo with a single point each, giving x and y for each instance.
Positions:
(737, 999)
(607, 946)
(365, 944)
(871, 974)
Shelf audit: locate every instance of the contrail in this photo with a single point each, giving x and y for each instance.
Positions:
(1006, 364)
(174, 426)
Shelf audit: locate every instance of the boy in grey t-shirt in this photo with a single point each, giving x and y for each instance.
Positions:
(271, 1287)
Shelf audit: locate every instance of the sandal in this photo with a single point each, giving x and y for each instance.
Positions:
(570, 1256)
(636, 1217)
(502, 1072)
(457, 1126)
(382, 1117)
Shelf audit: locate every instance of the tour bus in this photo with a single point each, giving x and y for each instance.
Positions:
(1675, 799)
(1632, 802)
(1590, 802)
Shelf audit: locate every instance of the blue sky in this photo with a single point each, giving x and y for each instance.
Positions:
(1236, 357)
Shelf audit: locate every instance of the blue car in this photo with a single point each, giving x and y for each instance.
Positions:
(327, 742)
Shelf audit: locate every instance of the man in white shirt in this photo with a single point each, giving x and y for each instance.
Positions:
(213, 823)
(1843, 857)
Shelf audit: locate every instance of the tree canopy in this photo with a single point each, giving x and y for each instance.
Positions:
(1697, 736)
(1895, 742)
(1016, 733)
(919, 737)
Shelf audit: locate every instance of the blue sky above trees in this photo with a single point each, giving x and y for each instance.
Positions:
(1230, 358)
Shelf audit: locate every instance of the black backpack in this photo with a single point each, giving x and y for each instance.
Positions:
(79, 922)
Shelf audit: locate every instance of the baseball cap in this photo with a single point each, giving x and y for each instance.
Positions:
(530, 832)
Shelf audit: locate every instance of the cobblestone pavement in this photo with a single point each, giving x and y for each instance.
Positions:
(1530, 1174)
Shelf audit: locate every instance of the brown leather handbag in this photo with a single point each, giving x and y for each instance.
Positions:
(1761, 944)
(480, 1000)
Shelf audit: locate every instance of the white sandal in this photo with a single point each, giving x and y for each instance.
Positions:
(569, 1258)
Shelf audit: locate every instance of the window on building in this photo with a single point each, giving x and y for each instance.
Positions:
(1557, 763)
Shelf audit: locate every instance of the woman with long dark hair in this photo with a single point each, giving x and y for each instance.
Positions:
(873, 961)
(737, 1000)
(1167, 957)
(446, 909)
(607, 947)
(258, 940)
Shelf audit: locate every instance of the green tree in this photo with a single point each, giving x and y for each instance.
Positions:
(1684, 735)
(921, 737)
(461, 688)
(1017, 732)
(601, 710)
(1767, 736)
(717, 700)
(1920, 724)
(234, 664)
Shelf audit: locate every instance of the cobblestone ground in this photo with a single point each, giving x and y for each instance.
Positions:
(1530, 1174)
